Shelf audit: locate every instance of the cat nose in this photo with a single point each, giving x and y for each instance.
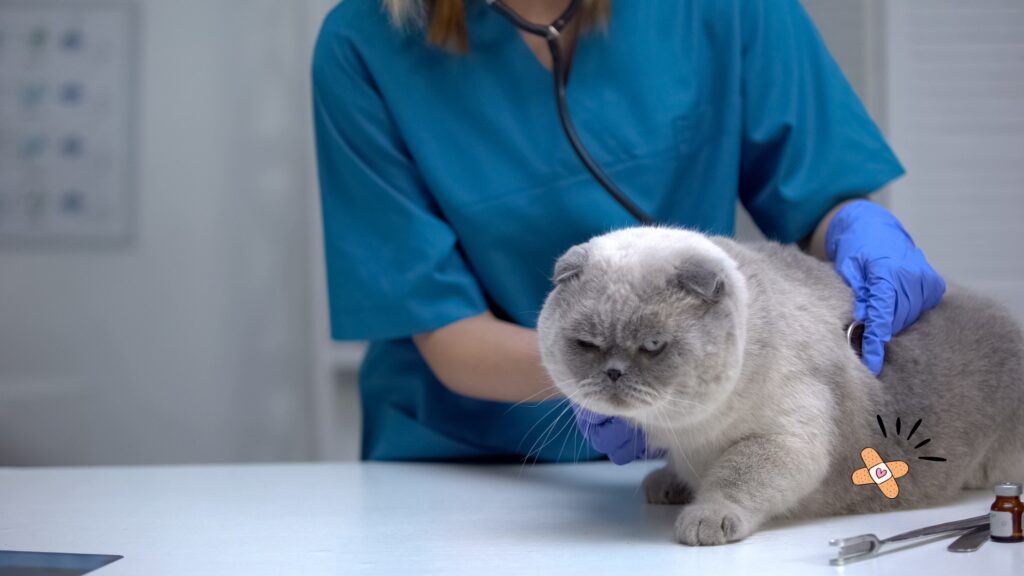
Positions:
(613, 373)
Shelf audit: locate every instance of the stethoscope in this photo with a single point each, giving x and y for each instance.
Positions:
(551, 33)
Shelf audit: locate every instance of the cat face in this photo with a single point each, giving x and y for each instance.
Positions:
(645, 322)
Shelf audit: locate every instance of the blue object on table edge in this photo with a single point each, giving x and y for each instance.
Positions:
(17, 563)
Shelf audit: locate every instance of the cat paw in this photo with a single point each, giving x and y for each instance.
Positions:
(663, 487)
(711, 524)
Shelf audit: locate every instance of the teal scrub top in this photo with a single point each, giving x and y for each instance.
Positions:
(449, 189)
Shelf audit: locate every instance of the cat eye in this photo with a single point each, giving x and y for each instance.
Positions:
(586, 345)
(653, 346)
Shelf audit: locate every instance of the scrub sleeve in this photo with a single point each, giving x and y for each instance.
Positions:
(394, 266)
(808, 142)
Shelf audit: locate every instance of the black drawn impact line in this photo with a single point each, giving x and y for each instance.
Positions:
(881, 425)
(914, 429)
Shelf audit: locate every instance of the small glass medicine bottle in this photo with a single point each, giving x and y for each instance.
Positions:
(1005, 517)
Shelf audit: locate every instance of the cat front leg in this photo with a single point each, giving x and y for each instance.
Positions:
(663, 487)
(750, 482)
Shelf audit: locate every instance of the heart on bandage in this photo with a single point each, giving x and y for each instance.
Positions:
(879, 472)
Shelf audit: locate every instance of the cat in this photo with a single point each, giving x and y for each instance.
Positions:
(734, 359)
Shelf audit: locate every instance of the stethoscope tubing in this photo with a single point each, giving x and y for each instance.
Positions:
(551, 33)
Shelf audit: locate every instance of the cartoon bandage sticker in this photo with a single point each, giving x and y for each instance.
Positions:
(884, 474)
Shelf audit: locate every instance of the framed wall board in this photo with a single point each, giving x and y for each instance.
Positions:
(68, 115)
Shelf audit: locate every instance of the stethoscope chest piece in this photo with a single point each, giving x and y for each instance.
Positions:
(855, 336)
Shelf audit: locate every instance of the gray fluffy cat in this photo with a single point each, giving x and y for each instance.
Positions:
(734, 358)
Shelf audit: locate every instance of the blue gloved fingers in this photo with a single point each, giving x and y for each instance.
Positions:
(919, 288)
(617, 439)
(626, 452)
(620, 457)
(860, 303)
(614, 437)
(602, 431)
(603, 437)
(878, 324)
(620, 441)
(908, 298)
(892, 283)
(933, 286)
(586, 428)
(852, 271)
(935, 289)
(590, 424)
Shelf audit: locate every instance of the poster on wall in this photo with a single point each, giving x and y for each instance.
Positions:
(68, 107)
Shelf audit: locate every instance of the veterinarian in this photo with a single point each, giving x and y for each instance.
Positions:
(449, 189)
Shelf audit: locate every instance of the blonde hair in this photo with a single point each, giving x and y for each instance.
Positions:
(445, 20)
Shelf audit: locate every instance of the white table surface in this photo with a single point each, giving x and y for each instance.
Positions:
(399, 519)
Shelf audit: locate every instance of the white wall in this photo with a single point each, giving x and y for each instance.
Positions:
(956, 96)
(192, 343)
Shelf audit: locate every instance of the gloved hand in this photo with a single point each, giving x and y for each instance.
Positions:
(616, 438)
(892, 282)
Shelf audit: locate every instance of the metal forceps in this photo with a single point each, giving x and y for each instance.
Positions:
(868, 545)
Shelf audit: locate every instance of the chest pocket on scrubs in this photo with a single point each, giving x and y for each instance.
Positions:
(522, 231)
(633, 161)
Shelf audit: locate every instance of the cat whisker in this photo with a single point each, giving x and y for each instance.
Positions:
(558, 406)
(545, 437)
(542, 418)
(669, 398)
(636, 395)
(675, 440)
(564, 439)
(589, 384)
(561, 430)
(540, 439)
(583, 444)
(531, 396)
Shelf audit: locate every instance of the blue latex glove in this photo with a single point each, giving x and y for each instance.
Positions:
(614, 437)
(892, 282)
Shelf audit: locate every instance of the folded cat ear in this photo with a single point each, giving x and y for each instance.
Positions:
(702, 279)
(570, 264)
